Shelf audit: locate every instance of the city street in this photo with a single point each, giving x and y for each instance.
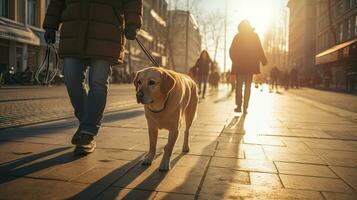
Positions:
(295, 144)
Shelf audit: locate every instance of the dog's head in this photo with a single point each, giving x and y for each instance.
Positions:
(152, 83)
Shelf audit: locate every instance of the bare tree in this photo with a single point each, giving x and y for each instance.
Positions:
(212, 26)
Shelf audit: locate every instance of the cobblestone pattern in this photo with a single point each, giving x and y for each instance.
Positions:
(22, 106)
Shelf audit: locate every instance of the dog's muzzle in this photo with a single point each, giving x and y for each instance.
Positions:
(139, 96)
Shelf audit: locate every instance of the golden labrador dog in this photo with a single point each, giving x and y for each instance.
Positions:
(167, 96)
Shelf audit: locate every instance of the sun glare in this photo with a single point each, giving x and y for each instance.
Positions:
(260, 13)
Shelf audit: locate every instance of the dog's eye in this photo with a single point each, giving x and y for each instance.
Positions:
(151, 82)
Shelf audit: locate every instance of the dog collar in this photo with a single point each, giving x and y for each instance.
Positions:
(163, 108)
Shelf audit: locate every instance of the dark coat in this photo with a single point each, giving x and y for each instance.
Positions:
(203, 66)
(246, 53)
(93, 28)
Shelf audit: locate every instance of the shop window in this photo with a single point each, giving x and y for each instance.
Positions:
(32, 11)
(4, 8)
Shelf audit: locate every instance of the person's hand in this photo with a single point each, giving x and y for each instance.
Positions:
(131, 31)
(50, 36)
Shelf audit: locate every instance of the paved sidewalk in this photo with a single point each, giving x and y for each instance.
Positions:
(287, 147)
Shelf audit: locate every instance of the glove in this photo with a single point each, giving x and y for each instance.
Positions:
(131, 31)
(50, 36)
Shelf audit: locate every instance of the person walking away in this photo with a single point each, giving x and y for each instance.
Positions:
(294, 78)
(92, 34)
(246, 53)
(203, 64)
(274, 75)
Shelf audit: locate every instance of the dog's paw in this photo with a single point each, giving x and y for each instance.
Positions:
(164, 166)
(148, 160)
(185, 149)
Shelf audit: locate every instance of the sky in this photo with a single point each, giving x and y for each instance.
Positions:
(260, 13)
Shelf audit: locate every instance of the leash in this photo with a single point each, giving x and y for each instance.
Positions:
(45, 66)
(147, 53)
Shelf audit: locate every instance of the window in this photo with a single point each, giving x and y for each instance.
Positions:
(340, 32)
(348, 4)
(4, 8)
(32, 12)
(349, 28)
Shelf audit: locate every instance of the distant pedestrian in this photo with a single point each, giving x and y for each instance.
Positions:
(246, 53)
(294, 78)
(92, 34)
(204, 65)
(274, 76)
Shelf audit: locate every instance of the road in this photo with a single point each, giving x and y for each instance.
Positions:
(29, 105)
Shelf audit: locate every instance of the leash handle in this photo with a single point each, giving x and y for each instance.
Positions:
(147, 53)
(45, 66)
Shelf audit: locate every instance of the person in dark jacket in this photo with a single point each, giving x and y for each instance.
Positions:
(274, 76)
(91, 35)
(246, 53)
(203, 64)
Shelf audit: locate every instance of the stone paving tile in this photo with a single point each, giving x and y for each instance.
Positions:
(265, 179)
(234, 150)
(304, 169)
(244, 164)
(259, 192)
(265, 140)
(222, 178)
(349, 175)
(129, 194)
(173, 196)
(315, 183)
(338, 158)
(285, 157)
(254, 152)
(339, 196)
(27, 188)
(309, 133)
(328, 144)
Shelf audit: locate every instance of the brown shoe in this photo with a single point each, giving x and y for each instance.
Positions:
(76, 137)
(85, 145)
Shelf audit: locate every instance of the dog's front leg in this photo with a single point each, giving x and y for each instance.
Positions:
(153, 132)
(165, 162)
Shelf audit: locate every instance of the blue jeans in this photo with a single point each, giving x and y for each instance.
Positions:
(89, 104)
(247, 80)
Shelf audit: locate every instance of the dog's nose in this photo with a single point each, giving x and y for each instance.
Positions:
(139, 95)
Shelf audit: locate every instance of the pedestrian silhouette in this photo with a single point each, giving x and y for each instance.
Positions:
(203, 64)
(246, 53)
(274, 76)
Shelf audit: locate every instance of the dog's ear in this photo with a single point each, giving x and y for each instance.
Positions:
(136, 80)
(167, 82)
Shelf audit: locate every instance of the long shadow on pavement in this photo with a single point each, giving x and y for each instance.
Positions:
(22, 167)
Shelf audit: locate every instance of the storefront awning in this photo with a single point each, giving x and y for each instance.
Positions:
(18, 32)
(335, 53)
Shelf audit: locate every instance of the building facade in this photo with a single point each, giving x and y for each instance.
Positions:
(336, 43)
(302, 35)
(21, 36)
(22, 43)
(153, 35)
(177, 40)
